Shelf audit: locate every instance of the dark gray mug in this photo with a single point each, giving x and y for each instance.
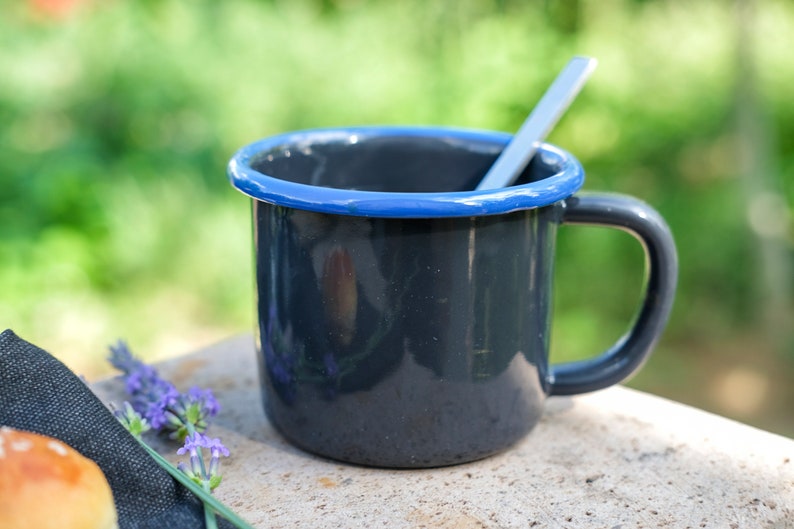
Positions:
(404, 319)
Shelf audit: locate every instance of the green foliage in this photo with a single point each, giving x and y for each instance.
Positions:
(118, 119)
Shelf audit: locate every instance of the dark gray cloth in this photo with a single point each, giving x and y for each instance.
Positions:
(40, 394)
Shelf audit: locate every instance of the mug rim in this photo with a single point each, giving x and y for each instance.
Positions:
(260, 186)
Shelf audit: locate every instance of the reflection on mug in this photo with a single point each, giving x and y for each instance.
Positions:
(340, 295)
(280, 360)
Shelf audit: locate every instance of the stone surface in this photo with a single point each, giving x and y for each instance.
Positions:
(615, 459)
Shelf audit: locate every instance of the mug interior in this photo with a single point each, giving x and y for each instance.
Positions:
(397, 164)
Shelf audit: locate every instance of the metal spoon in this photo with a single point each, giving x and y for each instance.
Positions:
(515, 157)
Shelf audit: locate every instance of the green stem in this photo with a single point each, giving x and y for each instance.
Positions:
(209, 500)
(209, 518)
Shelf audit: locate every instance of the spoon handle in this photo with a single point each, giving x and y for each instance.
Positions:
(515, 157)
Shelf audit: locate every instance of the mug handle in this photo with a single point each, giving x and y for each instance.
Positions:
(630, 352)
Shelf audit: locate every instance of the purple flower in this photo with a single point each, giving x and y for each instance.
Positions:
(158, 401)
(199, 472)
(142, 379)
(158, 405)
(197, 441)
(150, 393)
(121, 358)
(204, 399)
(196, 407)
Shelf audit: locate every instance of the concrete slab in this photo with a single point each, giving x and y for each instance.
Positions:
(616, 459)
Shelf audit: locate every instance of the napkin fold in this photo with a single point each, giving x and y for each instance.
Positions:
(40, 394)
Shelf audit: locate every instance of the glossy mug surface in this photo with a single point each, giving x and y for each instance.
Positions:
(404, 319)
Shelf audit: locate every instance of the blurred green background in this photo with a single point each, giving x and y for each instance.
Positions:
(117, 120)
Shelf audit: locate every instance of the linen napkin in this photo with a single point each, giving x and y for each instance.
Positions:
(40, 394)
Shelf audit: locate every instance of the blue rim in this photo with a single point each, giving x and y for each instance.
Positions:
(565, 182)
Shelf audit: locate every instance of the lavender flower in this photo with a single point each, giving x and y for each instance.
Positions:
(132, 421)
(158, 401)
(205, 475)
(121, 358)
(150, 393)
(195, 407)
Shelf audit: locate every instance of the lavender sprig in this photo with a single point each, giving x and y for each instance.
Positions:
(158, 401)
(156, 404)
